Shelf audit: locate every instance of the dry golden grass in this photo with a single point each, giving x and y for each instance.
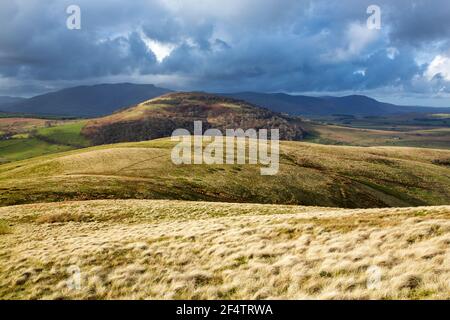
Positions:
(142, 249)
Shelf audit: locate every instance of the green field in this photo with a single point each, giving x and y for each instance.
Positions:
(33, 137)
(67, 134)
(19, 149)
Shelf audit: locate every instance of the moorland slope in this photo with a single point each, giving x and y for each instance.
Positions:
(309, 174)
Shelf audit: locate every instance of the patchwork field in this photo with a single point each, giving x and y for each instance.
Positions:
(23, 138)
(404, 136)
(139, 249)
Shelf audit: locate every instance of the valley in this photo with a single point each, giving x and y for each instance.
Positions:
(23, 135)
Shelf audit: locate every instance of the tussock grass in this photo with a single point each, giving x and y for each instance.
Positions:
(138, 249)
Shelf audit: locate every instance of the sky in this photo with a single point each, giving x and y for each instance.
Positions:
(303, 47)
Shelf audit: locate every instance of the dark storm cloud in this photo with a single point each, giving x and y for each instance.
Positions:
(36, 44)
(226, 45)
(420, 22)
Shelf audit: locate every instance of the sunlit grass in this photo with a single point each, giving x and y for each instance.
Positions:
(147, 249)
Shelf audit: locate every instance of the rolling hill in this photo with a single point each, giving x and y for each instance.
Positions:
(309, 174)
(86, 101)
(320, 106)
(159, 117)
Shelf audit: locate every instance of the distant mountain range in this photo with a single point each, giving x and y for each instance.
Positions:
(104, 99)
(5, 101)
(320, 106)
(86, 101)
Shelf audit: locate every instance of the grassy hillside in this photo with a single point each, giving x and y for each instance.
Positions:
(309, 174)
(24, 148)
(140, 249)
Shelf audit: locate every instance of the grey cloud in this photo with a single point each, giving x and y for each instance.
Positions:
(225, 45)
